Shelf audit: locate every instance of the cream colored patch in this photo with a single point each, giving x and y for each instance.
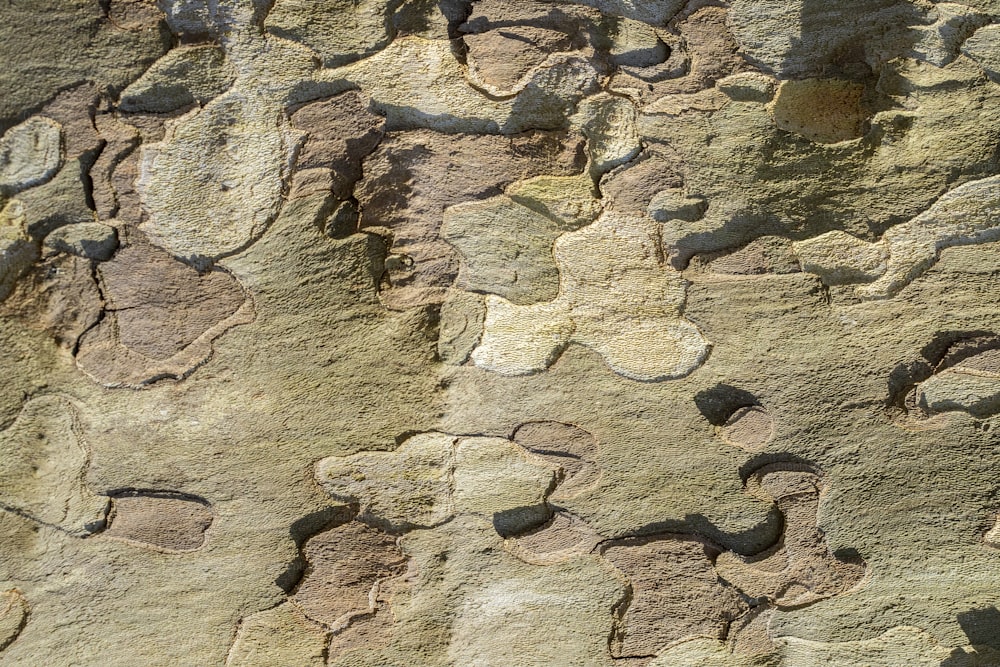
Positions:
(966, 215)
(30, 154)
(215, 181)
(616, 296)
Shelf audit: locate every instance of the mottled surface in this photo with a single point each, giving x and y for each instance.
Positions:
(499, 332)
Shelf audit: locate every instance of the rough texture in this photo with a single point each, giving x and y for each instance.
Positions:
(161, 521)
(368, 333)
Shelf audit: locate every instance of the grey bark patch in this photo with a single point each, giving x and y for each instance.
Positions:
(90, 240)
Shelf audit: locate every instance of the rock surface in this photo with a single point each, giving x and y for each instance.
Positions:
(499, 332)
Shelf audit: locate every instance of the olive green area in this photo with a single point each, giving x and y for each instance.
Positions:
(285, 391)
(855, 118)
(48, 47)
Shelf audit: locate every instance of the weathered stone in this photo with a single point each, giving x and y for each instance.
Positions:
(939, 42)
(282, 635)
(571, 448)
(55, 48)
(606, 269)
(450, 103)
(962, 216)
(346, 568)
(42, 467)
(59, 296)
(341, 133)
(30, 154)
(164, 521)
(822, 110)
(801, 37)
(569, 200)
(800, 569)
(341, 31)
(184, 76)
(91, 240)
(982, 47)
(675, 594)
(500, 59)
(434, 476)
(750, 428)
(768, 254)
(13, 616)
(462, 315)
(504, 248)
(609, 123)
(577, 332)
(17, 252)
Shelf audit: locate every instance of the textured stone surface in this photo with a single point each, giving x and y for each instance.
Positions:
(675, 593)
(92, 240)
(13, 616)
(159, 319)
(215, 181)
(30, 153)
(184, 76)
(982, 47)
(499, 332)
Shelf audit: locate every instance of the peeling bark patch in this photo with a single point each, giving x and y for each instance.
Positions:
(821, 110)
(162, 521)
(676, 593)
(13, 616)
(160, 319)
(346, 566)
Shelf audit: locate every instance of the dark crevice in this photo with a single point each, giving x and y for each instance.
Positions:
(85, 177)
(946, 349)
(93, 527)
(100, 316)
(773, 459)
(697, 526)
(949, 348)
(135, 492)
(300, 531)
(618, 611)
(719, 403)
(10, 121)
